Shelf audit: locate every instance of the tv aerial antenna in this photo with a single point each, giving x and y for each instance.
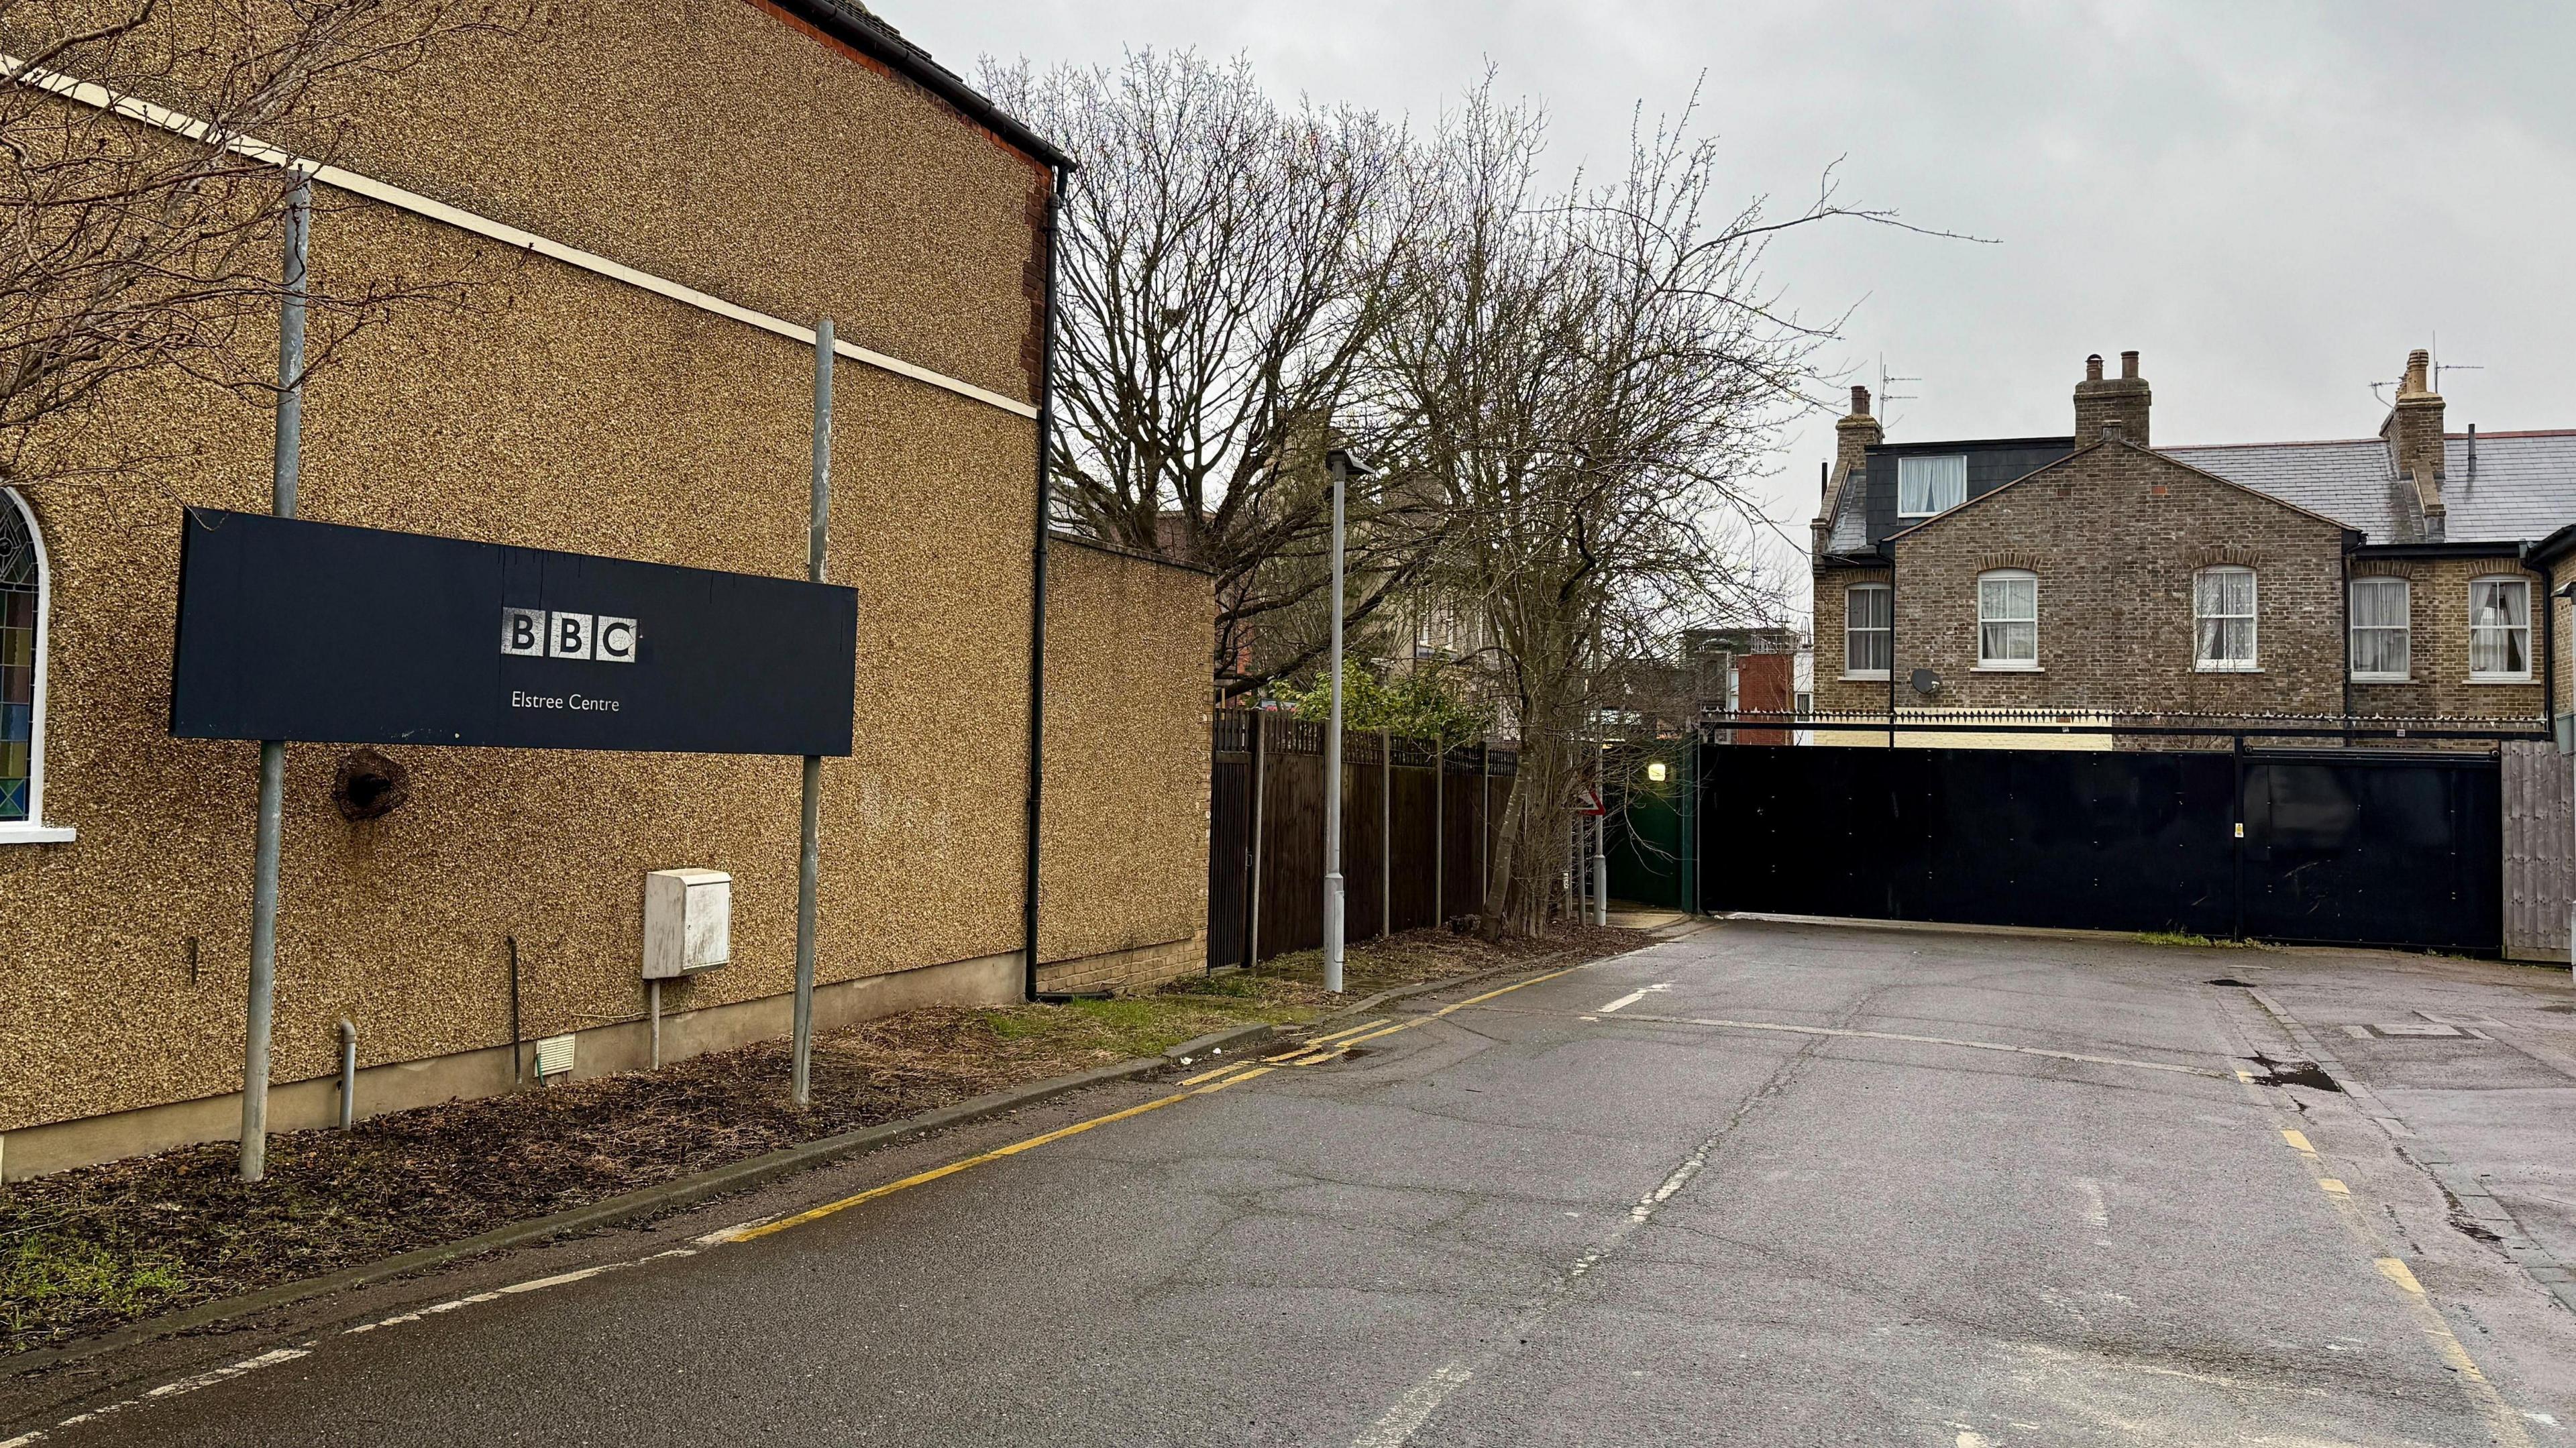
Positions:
(1888, 396)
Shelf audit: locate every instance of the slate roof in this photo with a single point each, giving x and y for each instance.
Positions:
(1851, 521)
(2524, 487)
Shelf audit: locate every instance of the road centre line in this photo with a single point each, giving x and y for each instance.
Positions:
(1796, 1030)
(1632, 997)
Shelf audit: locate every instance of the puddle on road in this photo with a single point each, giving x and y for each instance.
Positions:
(2292, 1073)
(2231, 980)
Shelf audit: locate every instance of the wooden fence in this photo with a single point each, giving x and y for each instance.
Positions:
(1418, 825)
(2539, 863)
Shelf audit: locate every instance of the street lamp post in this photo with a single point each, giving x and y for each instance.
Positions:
(1343, 467)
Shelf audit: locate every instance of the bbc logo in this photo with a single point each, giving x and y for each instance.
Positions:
(535, 633)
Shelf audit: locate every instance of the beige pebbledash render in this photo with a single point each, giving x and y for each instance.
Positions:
(643, 209)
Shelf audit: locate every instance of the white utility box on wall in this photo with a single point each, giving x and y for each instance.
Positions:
(688, 922)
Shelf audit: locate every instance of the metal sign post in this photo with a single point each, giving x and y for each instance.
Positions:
(809, 850)
(272, 752)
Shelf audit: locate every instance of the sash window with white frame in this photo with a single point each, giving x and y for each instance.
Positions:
(2382, 638)
(2008, 619)
(2222, 618)
(2500, 628)
(1925, 486)
(1869, 631)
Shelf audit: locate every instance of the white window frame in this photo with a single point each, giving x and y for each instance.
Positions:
(2252, 663)
(1987, 663)
(1937, 508)
(2404, 628)
(2491, 676)
(1888, 630)
(33, 830)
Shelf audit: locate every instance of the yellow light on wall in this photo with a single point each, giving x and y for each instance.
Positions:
(1656, 770)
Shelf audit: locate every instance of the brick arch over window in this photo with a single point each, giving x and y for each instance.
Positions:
(24, 593)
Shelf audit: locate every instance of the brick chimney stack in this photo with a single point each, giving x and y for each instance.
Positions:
(1852, 436)
(2112, 406)
(1854, 433)
(2413, 433)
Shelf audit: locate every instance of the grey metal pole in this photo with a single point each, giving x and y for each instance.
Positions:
(1440, 831)
(1260, 788)
(1333, 759)
(809, 851)
(1601, 840)
(348, 1074)
(260, 1015)
(1385, 833)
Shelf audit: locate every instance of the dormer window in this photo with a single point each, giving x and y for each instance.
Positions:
(1925, 486)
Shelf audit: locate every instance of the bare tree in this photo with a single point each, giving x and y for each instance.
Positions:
(1225, 265)
(129, 249)
(1588, 380)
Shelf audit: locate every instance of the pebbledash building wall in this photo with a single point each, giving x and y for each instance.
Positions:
(791, 161)
(2408, 575)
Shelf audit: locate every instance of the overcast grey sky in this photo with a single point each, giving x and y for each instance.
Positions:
(2272, 201)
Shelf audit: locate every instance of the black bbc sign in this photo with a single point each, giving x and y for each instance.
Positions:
(314, 631)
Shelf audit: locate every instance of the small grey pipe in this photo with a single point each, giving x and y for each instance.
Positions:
(809, 854)
(259, 1013)
(348, 1074)
(653, 1003)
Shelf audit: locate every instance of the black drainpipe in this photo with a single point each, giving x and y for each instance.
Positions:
(2348, 541)
(2549, 648)
(1038, 595)
(1887, 549)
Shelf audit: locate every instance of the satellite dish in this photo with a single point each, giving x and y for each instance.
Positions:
(1926, 683)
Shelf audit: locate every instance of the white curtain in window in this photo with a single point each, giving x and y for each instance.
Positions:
(1868, 623)
(2382, 638)
(2008, 619)
(2500, 627)
(1925, 486)
(2222, 606)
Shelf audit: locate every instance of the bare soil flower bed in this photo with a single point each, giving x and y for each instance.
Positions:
(84, 1251)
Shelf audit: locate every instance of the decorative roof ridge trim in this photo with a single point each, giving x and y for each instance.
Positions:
(90, 93)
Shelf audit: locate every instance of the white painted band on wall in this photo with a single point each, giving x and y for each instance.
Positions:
(90, 93)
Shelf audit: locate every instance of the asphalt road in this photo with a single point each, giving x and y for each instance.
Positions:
(1770, 1184)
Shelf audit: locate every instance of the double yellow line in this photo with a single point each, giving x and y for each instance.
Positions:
(1314, 1052)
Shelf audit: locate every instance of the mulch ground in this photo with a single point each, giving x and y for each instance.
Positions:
(88, 1250)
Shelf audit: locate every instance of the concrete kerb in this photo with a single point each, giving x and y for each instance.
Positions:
(647, 1201)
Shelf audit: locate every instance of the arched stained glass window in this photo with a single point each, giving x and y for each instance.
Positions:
(22, 583)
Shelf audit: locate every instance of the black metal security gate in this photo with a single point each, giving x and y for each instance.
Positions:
(2337, 847)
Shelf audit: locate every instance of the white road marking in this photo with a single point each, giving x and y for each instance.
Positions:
(190, 1384)
(1417, 1405)
(1970, 1438)
(1415, 1408)
(1632, 997)
(2096, 1211)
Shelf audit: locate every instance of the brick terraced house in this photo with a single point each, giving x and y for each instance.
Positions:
(2409, 575)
